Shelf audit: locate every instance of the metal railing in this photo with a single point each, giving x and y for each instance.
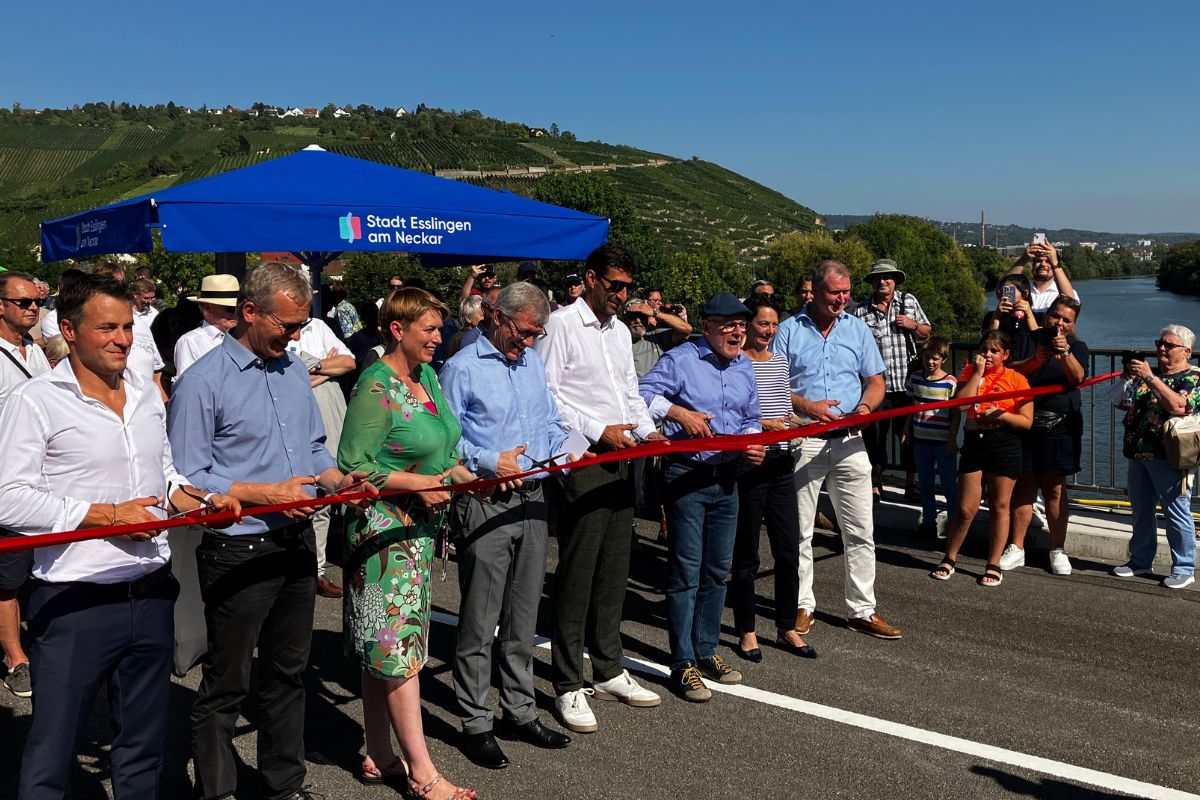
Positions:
(1102, 465)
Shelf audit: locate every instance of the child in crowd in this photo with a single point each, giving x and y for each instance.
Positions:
(991, 450)
(934, 433)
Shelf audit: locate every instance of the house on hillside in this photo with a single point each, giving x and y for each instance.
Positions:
(538, 133)
(339, 113)
(401, 112)
(292, 112)
(311, 112)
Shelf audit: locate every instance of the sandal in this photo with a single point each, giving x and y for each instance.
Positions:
(993, 573)
(461, 793)
(396, 770)
(944, 570)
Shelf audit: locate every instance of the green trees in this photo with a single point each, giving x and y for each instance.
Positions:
(1179, 268)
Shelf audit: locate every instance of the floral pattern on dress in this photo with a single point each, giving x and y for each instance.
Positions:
(390, 547)
(1145, 418)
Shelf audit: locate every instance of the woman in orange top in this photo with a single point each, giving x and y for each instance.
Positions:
(991, 448)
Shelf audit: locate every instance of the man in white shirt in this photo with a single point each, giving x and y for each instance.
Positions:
(48, 326)
(218, 301)
(1049, 275)
(144, 357)
(589, 367)
(85, 446)
(20, 360)
(326, 357)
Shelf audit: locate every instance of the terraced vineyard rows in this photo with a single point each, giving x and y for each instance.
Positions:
(53, 137)
(20, 167)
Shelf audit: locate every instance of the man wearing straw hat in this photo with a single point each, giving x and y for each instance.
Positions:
(218, 299)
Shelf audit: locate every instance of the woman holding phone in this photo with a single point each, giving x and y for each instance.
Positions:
(991, 451)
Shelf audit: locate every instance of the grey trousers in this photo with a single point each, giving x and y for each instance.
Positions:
(501, 568)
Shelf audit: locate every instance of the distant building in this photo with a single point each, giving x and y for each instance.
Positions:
(310, 112)
(401, 112)
(339, 113)
(292, 112)
(538, 133)
(1089, 245)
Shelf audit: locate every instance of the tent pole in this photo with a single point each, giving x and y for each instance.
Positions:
(232, 264)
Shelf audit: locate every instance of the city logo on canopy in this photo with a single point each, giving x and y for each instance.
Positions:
(351, 227)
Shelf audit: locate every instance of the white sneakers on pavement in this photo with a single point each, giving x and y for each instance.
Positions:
(574, 712)
(624, 689)
(1179, 581)
(1012, 557)
(1059, 563)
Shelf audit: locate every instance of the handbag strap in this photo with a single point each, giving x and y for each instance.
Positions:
(18, 364)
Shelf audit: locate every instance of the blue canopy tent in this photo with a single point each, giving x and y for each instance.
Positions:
(320, 202)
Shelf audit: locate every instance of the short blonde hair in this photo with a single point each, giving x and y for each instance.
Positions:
(406, 306)
(55, 348)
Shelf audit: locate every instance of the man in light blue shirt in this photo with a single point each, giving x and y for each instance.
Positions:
(243, 422)
(836, 370)
(498, 391)
(699, 390)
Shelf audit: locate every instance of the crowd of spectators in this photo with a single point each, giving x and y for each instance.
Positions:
(237, 397)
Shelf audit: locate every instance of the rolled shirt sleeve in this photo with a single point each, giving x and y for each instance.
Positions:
(26, 506)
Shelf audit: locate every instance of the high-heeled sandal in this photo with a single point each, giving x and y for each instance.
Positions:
(395, 772)
(460, 793)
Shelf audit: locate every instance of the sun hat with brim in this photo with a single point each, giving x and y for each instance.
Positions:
(220, 290)
(885, 266)
(723, 304)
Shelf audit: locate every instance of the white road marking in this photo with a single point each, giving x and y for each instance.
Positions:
(1059, 769)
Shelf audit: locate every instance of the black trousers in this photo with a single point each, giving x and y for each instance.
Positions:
(768, 492)
(259, 591)
(594, 543)
(82, 635)
(876, 435)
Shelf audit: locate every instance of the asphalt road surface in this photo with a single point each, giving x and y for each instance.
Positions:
(1046, 687)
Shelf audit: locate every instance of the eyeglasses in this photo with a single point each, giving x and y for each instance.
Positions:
(525, 335)
(1165, 345)
(731, 326)
(615, 287)
(24, 302)
(289, 327)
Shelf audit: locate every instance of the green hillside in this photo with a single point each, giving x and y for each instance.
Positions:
(59, 162)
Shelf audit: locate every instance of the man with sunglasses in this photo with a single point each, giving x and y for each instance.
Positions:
(589, 367)
(510, 423)
(85, 446)
(243, 421)
(700, 390)
(20, 360)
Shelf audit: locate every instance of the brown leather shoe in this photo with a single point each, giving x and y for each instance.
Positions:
(327, 588)
(873, 626)
(804, 620)
(823, 522)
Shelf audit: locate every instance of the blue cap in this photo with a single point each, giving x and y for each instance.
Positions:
(723, 304)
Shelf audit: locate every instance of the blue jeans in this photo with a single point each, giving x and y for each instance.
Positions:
(1149, 482)
(702, 509)
(929, 455)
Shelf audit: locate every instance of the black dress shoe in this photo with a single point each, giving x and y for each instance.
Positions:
(805, 651)
(754, 654)
(483, 751)
(534, 733)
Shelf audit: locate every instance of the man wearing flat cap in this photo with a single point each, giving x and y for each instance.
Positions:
(217, 298)
(899, 326)
(700, 390)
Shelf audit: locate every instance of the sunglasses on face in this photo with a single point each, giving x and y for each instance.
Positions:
(1165, 345)
(24, 302)
(615, 287)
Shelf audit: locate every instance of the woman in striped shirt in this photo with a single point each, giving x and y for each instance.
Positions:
(768, 490)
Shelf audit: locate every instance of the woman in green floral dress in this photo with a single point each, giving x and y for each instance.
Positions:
(401, 433)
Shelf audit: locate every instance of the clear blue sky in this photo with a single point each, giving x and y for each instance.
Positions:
(1055, 114)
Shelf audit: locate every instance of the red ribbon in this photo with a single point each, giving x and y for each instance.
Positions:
(737, 442)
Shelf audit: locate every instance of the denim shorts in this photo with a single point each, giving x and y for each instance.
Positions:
(995, 451)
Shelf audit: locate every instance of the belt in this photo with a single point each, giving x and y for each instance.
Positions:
(698, 466)
(288, 533)
(120, 590)
(839, 433)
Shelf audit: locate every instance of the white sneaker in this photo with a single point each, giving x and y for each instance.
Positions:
(625, 689)
(1126, 571)
(1179, 581)
(1012, 558)
(574, 712)
(1059, 563)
